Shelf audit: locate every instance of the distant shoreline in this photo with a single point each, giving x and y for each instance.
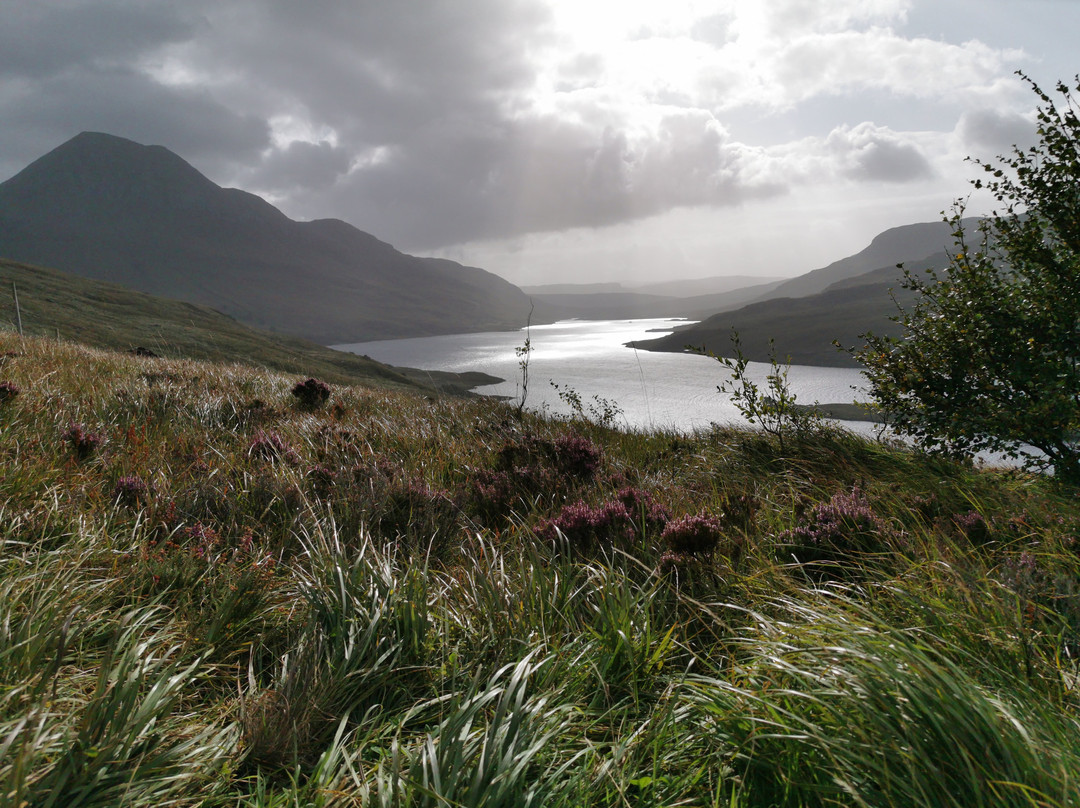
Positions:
(843, 412)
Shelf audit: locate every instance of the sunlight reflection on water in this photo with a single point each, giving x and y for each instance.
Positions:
(654, 390)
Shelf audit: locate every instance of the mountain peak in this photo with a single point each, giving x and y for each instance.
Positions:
(96, 169)
(109, 208)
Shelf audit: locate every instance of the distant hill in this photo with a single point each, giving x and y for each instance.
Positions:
(612, 305)
(585, 302)
(110, 209)
(698, 308)
(698, 287)
(804, 327)
(680, 288)
(804, 313)
(841, 301)
(913, 242)
(574, 288)
(107, 315)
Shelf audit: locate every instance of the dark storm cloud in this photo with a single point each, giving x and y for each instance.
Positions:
(122, 102)
(186, 119)
(71, 67)
(443, 186)
(428, 108)
(373, 70)
(45, 38)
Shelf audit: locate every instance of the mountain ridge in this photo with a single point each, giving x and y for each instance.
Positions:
(111, 209)
(804, 328)
(910, 242)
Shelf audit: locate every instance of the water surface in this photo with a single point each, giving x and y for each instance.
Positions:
(589, 357)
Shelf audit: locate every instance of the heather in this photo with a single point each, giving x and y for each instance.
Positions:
(215, 590)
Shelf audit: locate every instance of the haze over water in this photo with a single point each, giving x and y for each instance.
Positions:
(654, 390)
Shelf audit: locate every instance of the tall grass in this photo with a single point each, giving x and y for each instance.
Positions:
(227, 597)
(827, 704)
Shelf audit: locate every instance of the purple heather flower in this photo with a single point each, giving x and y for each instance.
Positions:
(131, 490)
(643, 505)
(836, 530)
(583, 524)
(322, 480)
(577, 455)
(693, 535)
(83, 442)
(270, 446)
(973, 526)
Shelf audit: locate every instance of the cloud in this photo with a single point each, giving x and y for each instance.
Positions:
(486, 119)
(792, 18)
(878, 59)
(302, 166)
(72, 67)
(190, 121)
(869, 153)
(541, 174)
(863, 155)
(992, 132)
(42, 39)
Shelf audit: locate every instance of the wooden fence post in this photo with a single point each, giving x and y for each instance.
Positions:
(18, 313)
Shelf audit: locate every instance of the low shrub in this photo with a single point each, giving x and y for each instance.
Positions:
(311, 393)
(271, 446)
(322, 480)
(697, 535)
(571, 455)
(643, 507)
(577, 456)
(972, 526)
(584, 526)
(417, 515)
(838, 536)
(131, 490)
(84, 443)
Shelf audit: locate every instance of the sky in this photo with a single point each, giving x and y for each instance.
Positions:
(555, 141)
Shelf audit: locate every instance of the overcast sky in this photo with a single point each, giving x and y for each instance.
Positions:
(555, 140)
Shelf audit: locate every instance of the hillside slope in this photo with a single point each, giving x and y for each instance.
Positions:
(804, 327)
(110, 209)
(908, 243)
(107, 315)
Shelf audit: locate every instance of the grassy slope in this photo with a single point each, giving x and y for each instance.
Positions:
(803, 328)
(210, 596)
(108, 315)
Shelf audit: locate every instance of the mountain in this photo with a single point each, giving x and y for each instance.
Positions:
(702, 287)
(110, 209)
(574, 288)
(612, 305)
(804, 313)
(804, 327)
(911, 242)
(681, 288)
